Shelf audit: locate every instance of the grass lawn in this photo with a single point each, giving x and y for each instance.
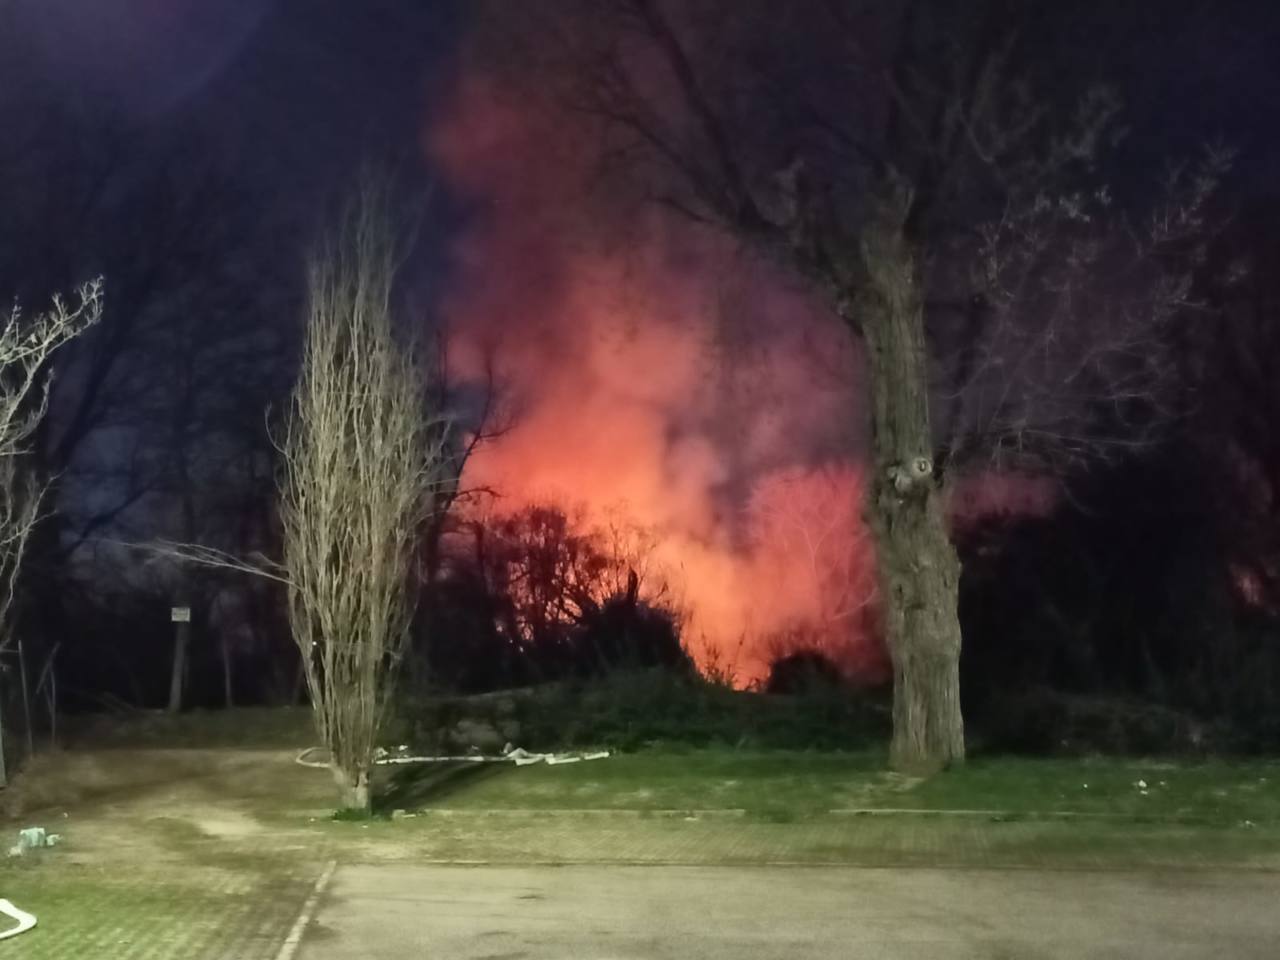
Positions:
(796, 785)
(156, 910)
(732, 806)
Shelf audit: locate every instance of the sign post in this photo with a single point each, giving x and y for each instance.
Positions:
(180, 616)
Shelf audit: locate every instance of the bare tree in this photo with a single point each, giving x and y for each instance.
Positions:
(362, 454)
(25, 349)
(864, 149)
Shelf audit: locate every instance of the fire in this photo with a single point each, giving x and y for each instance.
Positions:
(658, 375)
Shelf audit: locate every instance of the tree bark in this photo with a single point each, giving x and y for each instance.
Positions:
(26, 700)
(4, 770)
(918, 569)
(353, 789)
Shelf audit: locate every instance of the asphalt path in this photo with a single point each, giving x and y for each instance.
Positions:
(717, 913)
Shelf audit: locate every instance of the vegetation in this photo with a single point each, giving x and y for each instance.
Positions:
(795, 785)
(26, 347)
(361, 454)
(1105, 625)
(629, 710)
(949, 187)
(540, 595)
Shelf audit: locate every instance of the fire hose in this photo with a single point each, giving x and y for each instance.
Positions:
(25, 920)
(519, 756)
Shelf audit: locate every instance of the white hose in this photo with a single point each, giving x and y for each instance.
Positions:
(25, 920)
(518, 756)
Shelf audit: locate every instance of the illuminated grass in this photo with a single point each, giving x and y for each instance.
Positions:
(791, 785)
(163, 911)
(882, 841)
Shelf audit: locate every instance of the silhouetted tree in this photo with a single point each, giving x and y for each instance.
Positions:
(896, 162)
(26, 347)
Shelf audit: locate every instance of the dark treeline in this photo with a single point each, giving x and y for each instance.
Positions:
(1142, 610)
(1154, 579)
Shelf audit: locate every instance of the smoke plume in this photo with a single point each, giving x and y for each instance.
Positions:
(659, 376)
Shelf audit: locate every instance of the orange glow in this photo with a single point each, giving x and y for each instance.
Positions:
(657, 377)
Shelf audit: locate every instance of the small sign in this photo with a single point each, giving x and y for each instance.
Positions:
(180, 614)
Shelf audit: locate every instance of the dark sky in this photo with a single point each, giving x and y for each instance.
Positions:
(293, 91)
(1194, 70)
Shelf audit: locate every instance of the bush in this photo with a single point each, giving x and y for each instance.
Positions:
(1046, 722)
(628, 710)
(803, 672)
(628, 634)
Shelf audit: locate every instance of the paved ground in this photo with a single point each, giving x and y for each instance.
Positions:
(627, 913)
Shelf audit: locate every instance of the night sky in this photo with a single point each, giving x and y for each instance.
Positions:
(293, 93)
(286, 95)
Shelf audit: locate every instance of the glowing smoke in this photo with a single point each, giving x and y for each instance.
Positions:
(659, 375)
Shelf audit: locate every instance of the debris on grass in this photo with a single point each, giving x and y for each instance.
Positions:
(33, 838)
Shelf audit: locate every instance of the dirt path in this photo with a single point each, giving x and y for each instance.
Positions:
(486, 913)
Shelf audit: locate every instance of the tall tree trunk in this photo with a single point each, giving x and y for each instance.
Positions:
(26, 699)
(4, 770)
(919, 572)
(353, 789)
(299, 684)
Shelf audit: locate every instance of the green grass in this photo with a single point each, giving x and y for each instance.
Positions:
(158, 910)
(1209, 791)
(710, 779)
(742, 807)
(793, 785)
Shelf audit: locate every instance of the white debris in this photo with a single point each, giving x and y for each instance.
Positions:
(33, 838)
(517, 755)
(25, 920)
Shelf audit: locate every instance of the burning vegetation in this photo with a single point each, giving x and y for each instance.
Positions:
(736, 481)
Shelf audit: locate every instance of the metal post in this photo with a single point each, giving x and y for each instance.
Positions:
(181, 617)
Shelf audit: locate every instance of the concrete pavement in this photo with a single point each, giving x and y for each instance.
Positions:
(734, 913)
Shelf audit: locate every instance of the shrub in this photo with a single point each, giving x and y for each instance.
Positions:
(803, 672)
(628, 710)
(1042, 721)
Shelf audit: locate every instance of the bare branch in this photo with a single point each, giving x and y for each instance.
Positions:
(362, 454)
(26, 347)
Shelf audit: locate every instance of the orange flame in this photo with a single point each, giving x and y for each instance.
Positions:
(657, 379)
